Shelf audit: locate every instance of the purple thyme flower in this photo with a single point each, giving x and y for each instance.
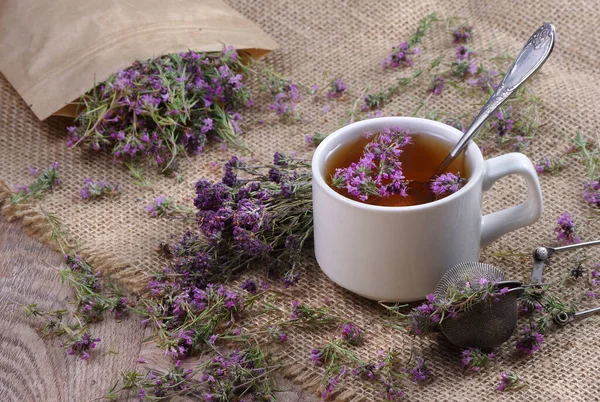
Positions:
(230, 177)
(437, 85)
(211, 197)
(420, 372)
(284, 102)
(249, 286)
(98, 189)
(81, 346)
(446, 184)
(486, 81)
(337, 89)
(401, 56)
(161, 205)
(351, 334)
(329, 387)
(543, 165)
(530, 340)
(473, 359)
(280, 159)
(565, 229)
(509, 381)
(379, 171)
(591, 193)
(316, 356)
(462, 53)
(291, 279)
(503, 123)
(462, 34)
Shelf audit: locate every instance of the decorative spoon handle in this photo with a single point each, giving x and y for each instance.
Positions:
(534, 54)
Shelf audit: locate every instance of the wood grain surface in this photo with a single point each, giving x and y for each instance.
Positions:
(35, 368)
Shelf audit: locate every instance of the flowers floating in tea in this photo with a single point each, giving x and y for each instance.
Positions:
(393, 167)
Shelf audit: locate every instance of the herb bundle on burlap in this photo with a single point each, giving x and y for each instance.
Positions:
(120, 238)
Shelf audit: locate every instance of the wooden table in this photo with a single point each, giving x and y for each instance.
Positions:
(35, 368)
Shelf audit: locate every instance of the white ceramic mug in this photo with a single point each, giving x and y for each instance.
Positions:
(400, 253)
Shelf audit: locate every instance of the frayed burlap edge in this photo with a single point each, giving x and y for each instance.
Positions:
(35, 223)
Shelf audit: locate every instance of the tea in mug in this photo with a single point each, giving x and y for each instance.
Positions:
(414, 155)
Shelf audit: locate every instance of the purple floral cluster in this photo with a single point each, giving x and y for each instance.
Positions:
(591, 193)
(92, 298)
(473, 359)
(81, 345)
(98, 189)
(241, 218)
(510, 381)
(352, 334)
(165, 206)
(46, 181)
(594, 282)
(332, 382)
(438, 84)
(504, 122)
(464, 65)
(285, 100)
(160, 206)
(401, 56)
(462, 34)
(159, 107)
(227, 375)
(420, 372)
(387, 373)
(446, 184)
(160, 385)
(487, 81)
(337, 89)
(314, 139)
(566, 230)
(217, 305)
(378, 172)
(238, 211)
(553, 166)
(530, 340)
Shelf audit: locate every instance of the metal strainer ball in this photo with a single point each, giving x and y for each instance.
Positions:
(485, 325)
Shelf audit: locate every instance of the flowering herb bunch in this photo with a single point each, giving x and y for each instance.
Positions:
(473, 359)
(44, 181)
(402, 54)
(159, 108)
(285, 94)
(429, 316)
(166, 206)
(257, 213)
(98, 189)
(446, 184)
(378, 172)
(550, 166)
(241, 374)
(510, 381)
(92, 297)
(386, 374)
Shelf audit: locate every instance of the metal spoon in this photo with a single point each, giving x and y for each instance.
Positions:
(534, 54)
(565, 317)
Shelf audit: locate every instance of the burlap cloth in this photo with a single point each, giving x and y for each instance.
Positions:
(351, 39)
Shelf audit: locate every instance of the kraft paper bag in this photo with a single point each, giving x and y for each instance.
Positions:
(53, 51)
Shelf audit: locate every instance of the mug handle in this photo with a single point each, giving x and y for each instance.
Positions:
(501, 222)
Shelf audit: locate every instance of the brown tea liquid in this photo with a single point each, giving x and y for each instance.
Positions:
(419, 160)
